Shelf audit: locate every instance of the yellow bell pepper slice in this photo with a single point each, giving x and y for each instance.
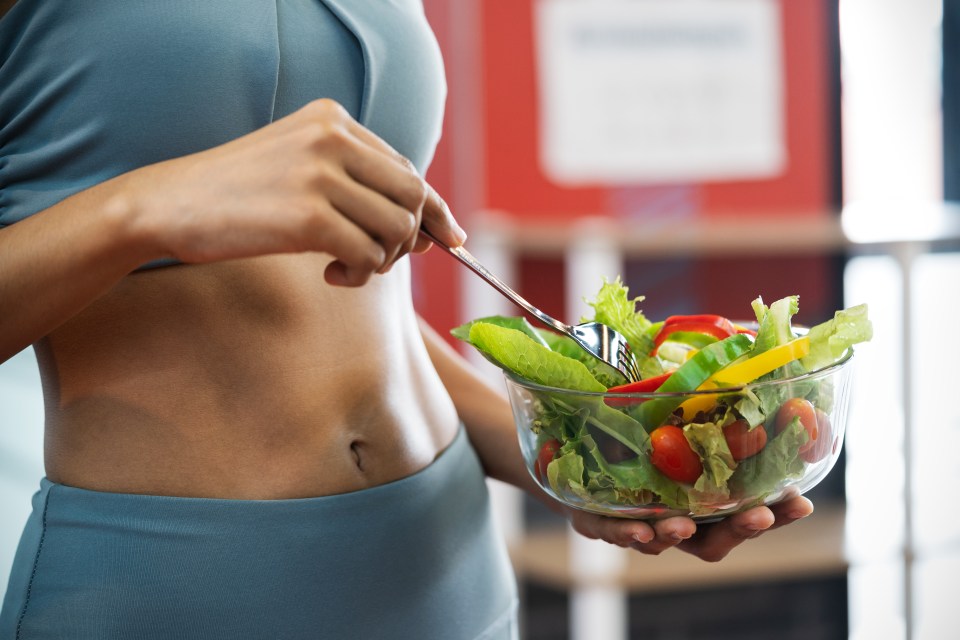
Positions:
(695, 404)
(741, 373)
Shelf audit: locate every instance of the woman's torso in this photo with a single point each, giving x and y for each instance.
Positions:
(250, 378)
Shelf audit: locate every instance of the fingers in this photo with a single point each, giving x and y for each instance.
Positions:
(313, 181)
(386, 223)
(761, 519)
(652, 539)
(387, 199)
(715, 541)
(791, 510)
(710, 542)
(616, 531)
(669, 533)
(401, 184)
(394, 179)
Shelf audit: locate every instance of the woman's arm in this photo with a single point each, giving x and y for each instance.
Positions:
(313, 181)
(57, 262)
(486, 413)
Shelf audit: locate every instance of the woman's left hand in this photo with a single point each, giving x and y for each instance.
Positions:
(710, 542)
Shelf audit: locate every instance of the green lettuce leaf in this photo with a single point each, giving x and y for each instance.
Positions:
(776, 463)
(565, 475)
(565, 345)
(510, 322)
(636, 480)
(751, 407)
(829, 340)
(515, 351)
(613, 308)
(773, 323)
(718, 464)
(594, 412)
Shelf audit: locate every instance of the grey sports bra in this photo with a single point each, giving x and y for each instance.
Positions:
(92, 89)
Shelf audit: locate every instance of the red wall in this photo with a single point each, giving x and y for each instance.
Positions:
(516, 184)
(511, 180)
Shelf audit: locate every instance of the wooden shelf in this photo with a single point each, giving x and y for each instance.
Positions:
(812, 547)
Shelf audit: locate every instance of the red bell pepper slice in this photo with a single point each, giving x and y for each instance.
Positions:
(708, 323)
(648, 385)
(642, 386)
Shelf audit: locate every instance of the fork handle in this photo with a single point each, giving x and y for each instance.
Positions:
(466, 258)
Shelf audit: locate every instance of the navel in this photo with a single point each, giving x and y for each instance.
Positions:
(355, 448)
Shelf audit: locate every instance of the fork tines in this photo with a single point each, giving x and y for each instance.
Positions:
(628, 362)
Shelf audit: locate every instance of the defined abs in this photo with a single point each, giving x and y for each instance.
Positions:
(260, 401)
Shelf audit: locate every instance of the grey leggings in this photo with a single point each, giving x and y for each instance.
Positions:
(416, 558)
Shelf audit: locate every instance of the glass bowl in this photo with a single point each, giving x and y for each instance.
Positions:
(605, 453)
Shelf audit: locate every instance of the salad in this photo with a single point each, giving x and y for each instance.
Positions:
(725, 415)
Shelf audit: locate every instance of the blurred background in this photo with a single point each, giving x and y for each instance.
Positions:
(706, 151)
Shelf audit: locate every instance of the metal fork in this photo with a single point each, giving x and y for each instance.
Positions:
(600, 341)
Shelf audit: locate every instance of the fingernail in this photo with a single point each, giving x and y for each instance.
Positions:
(641, 539)
(460, 234)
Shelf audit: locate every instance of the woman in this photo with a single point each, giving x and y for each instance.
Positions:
(206, 212)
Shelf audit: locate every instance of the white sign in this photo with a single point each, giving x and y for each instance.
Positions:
(660, 91)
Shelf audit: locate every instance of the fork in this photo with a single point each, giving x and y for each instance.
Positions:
(597, 339)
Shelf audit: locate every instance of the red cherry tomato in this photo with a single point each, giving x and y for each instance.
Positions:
(744, 441)
(824, 443)
(799, 408)
(547, 453)
(672, 455)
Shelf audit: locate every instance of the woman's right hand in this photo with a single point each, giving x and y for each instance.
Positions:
(315, 180)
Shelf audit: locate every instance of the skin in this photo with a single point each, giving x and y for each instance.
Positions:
(284, 359)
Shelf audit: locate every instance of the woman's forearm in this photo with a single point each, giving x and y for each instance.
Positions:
(57, 262)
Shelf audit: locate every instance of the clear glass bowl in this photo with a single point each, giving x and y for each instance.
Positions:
(592, 451)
